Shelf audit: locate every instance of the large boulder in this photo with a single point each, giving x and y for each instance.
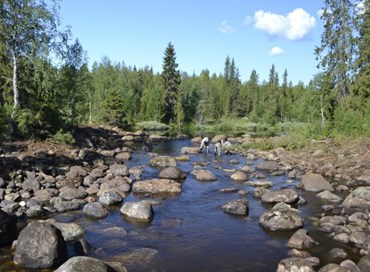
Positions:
(301, 240)
(40, 245)
(119, 170)
(327, 196)
(219, 137)
(204, 175)
(157, 186)
(8, 228)
(190, 150)
(239, 176)
(110, 197)
(358, 200)
(162, 161)
(284, 195)
(295, 264)
(95, 210)
(140, 211)
(268, 166)
(280, 217)
(236, 207)
(85, 264)
(70, 231)
(364, 263)
(316, 183)
(172, 172)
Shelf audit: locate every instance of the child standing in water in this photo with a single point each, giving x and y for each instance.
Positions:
(206, 142)
(218, 147)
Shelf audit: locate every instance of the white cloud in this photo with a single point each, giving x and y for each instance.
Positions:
(225, 28)
(276, 51)
(295, 26)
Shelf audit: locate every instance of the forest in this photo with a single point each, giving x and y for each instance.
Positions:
(47, 87)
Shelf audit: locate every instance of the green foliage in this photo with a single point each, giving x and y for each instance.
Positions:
(171, 81)
(38, 123)
(114, 113)
(152, 125)
(61, 137)
(350, 122)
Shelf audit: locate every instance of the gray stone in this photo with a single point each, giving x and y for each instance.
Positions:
(40, 245)
(364, 263)
(331, 267)
(140, 211)
(110, 197)
(327, 196)
(236, 207)
(84, 264)
(119, 170)
(95, 210)
(268, 166)
(280, 218)
(316, 183)
(172, 172)
(284, 195)
(204, 175)
(157, 186)
(301, 240)
(358, 200)
(70, 231)
(294, 264)
(190, 150)
(162, 161)
(68, 193)
(239, 176)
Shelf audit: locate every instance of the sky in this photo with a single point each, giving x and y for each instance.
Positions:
(255, 33)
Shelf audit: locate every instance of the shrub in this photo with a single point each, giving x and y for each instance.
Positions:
(62, 138)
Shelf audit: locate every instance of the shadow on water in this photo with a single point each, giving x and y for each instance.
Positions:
(189, 232)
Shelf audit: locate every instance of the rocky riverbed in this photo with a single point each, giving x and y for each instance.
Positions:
(53, 198)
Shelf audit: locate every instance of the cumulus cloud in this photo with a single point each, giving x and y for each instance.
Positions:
(225, 28)
(295, 26)
(276, 51)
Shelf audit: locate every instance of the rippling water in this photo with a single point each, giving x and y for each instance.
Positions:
(189, 232)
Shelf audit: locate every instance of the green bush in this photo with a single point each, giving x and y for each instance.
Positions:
(62, 138)
(152, 125)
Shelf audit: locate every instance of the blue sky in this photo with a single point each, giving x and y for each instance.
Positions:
(256, 33)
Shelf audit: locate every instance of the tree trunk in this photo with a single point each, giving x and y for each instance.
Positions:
(15, 83)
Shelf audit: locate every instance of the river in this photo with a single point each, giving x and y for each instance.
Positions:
(190, 232)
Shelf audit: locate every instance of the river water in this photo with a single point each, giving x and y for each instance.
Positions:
(190, 232)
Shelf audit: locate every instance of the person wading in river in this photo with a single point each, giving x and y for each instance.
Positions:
(206, 142)
(218, 147)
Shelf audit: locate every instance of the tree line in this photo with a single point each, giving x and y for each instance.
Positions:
(46, 84)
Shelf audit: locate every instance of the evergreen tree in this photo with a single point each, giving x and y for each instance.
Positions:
(171, 81)
(336, 52)
(113, 109)
(361, 88)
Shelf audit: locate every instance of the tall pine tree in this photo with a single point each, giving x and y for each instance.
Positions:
(171, 81)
